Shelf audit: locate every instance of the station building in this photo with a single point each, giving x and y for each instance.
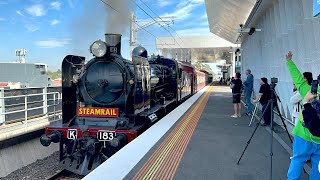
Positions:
(286, 25)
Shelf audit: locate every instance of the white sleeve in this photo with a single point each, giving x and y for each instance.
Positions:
(295, 98)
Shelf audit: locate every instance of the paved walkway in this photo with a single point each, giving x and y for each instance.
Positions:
(215, 147)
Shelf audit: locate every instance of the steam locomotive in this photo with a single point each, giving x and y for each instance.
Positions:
(109, 101)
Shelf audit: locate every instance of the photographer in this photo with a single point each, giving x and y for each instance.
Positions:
(305, 144)
(263, 97)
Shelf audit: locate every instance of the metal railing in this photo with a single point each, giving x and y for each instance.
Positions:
(29, 103)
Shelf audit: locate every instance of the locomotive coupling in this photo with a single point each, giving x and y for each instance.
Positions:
(53, 137)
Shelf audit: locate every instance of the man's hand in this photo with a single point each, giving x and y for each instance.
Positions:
(289, 56)
(309, 96)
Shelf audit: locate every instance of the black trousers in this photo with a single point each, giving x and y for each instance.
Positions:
(267, 114)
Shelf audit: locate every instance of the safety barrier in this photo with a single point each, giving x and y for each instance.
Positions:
(29, 103)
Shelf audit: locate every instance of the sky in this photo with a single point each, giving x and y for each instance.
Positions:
(51, 29)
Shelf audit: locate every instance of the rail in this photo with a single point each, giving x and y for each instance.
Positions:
(27, 106)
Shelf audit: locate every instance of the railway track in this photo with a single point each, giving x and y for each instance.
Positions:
(64, 175)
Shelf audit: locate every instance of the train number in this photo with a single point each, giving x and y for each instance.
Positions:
(72, 134)
(105, 135)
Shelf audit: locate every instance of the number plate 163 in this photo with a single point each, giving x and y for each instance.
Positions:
(105, 135)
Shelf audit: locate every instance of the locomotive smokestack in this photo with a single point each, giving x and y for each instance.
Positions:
(114, 40)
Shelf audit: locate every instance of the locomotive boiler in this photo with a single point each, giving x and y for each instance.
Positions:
(109, 101)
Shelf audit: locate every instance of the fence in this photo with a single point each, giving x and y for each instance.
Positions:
(28, 103)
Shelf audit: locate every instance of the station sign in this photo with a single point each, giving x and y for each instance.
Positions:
(98, 112)
(316, 8)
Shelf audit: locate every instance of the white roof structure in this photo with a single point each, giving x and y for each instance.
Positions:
(225, 16)
(190, 42)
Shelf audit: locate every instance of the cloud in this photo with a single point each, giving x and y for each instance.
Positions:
(194, 32)
(56, 5)
(186, 2)
(3, 3)
(196, 24)
(54, 22)
(204, 16)
(163, 3)
(2, 19)
(36, 10)
(181, 13)
(31, 28)
(19, 12)
(52, 43)
(71, 4)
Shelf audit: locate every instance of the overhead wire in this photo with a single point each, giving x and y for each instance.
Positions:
(155, 20)
(135, 23)
(162, 20)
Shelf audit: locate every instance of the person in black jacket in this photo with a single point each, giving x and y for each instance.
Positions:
(264, 97)
(236, 86)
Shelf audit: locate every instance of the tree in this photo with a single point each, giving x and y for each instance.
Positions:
(55, 75)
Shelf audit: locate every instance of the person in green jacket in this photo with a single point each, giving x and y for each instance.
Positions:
(305, 145)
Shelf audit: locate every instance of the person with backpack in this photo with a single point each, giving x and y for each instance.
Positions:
(305, 145)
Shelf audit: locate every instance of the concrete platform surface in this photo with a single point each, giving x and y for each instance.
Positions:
(219, 140)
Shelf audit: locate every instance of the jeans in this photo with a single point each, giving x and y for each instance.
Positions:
(302, 151)
(247, 94)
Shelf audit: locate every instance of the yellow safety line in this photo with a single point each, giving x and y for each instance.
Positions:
(154, 168)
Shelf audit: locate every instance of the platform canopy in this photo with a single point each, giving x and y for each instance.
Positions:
(225, 16)
(209, 41)
(207, 48)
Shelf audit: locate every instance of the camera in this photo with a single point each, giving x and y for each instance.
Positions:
(274, 80)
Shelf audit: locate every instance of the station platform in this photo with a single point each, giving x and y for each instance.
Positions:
(205, 143)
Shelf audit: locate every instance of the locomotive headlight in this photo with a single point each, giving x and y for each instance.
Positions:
(98, 48)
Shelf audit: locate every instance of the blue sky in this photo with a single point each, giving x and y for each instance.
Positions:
(51, 29)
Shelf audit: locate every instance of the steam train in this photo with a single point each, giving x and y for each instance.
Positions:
(109, 101)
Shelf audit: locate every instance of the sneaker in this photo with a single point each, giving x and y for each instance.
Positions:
(246, 105)
(234, 116)
(249, 114)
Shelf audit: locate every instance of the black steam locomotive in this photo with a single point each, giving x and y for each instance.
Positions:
(109, 101)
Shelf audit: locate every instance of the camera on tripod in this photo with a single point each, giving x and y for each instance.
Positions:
(274, 80)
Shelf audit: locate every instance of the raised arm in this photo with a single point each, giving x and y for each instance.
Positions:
(296, 76)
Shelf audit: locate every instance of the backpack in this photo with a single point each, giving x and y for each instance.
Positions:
(311, 118)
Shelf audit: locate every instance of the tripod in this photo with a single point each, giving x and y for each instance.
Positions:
(271, 103)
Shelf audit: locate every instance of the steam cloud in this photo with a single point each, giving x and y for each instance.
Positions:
(96, 19)
(118, 22)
